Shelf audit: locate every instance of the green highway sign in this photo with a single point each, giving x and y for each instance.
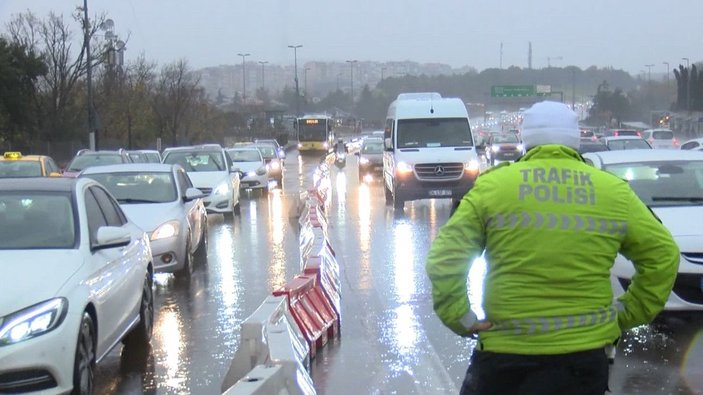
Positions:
(519, 90)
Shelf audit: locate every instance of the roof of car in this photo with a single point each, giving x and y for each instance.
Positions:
(57, 184)
(613, 138)
(130, 167)
(194, 148)
(645, 155)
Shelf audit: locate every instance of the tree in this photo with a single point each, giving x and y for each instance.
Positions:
(176, 90)
(19, 70)
(609, 106)
(57, 107)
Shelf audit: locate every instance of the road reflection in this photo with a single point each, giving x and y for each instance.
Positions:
(168, 331)
(276, 230)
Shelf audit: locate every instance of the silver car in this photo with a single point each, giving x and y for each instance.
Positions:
(161, 200)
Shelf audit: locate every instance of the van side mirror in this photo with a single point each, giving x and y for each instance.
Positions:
(388, 144)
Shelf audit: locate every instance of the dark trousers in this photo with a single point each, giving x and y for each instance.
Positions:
(580, 373)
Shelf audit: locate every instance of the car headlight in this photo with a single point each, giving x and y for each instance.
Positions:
(472, 166)
(33, 321)
(274, 165)
(166, 230)
(261, 171)
(495, 148)
(251, 174)
(363, 161)
(221, 189)
(326, 145)
(520, 147)
(403, 167)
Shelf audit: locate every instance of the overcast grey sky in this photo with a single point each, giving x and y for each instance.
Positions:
(624, 34)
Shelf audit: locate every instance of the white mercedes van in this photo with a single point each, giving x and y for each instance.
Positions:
(429, 150)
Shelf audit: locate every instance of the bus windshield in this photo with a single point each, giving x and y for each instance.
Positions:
(312, 130)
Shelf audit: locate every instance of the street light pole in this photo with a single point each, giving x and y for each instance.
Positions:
(244, 76)
(305, 80)
(338, 75)
(92, 130)
(297, 85)
(667, 75)
(351, 73)
(263, 75)
(649, 73)
(688, 84)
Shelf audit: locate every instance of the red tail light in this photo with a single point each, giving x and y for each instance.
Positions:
(651, 140)
(676, 142)
(639, 134)
(615, 133)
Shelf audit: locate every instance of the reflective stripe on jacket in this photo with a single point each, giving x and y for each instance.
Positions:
(551, 227)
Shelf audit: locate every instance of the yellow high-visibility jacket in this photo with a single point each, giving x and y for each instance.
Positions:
(551, 226)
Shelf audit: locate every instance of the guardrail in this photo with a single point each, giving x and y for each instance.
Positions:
(278, 341)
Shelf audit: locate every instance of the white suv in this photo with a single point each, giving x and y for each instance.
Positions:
(661, 138)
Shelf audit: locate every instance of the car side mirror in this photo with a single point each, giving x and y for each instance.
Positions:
(192, 194)
(111, 237)
(388, 144)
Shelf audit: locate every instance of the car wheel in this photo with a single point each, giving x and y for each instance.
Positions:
(201, 252)
(141, 334)
(398, 203)
(187, 268)
(236, 210)
(389, 195)
(84, 362)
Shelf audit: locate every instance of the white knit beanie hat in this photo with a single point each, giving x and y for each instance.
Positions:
(550, 122)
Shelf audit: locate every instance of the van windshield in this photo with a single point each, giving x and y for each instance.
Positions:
(442, 132)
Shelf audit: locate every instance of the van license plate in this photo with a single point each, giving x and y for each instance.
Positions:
(440, 192)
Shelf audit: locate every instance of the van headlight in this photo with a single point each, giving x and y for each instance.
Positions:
(221, 189)
(404, 168)
(166, 230)
(33, 321)
(472, 166)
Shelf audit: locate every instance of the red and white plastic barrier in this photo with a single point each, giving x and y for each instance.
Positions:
(312, 311)
(281, 337)
(269, 335)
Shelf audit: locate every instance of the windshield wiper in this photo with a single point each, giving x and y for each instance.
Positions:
(130, 200)
(692, 199)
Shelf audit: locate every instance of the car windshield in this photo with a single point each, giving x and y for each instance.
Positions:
(36, 220)
(136, 188)
(197, 161)
(244, 155)
(312, 130)
(138, 157)
(88, 160)
(671, 183)
(267, 151)
(436, 132)
(152, 157)
(505, 138)
(592, 147)
(17, 168)
(663, 135)
(615, 145)
(375, 147)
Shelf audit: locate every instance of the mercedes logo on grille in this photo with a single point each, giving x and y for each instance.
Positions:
(439, 171)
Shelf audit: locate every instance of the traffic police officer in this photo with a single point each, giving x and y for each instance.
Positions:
(550, 227)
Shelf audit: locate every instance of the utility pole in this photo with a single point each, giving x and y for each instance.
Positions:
(263, 75)
(351, 73)
(244, 77)
(500, 66)
(529, 55)
(297, 85)
(573, 89)
(92, 130)
(688, 84)
(667, 76)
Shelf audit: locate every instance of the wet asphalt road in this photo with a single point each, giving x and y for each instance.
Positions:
(391, 341)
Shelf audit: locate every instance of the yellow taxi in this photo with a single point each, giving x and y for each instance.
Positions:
(14, 164)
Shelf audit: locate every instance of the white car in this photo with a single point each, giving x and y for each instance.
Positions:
(661, 138)
(210, 170)
(693, 144)
(670, 182)
(253, 167)
(161, 200)
(619, 143)
(77, 280)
